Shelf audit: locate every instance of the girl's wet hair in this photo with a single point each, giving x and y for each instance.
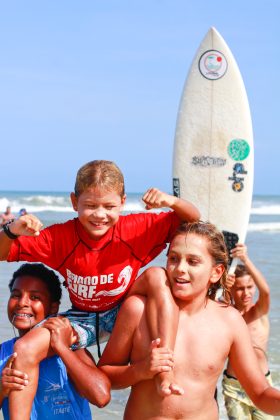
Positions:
(217, 249)
(100, 174)
(40, 271)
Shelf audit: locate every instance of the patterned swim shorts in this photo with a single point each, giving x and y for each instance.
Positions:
(88, 324)
(238, 404)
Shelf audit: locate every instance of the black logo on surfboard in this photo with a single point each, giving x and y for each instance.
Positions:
(176, 187)
(238, 169)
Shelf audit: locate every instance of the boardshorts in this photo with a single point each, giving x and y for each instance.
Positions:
(238, 404)
(91, 327)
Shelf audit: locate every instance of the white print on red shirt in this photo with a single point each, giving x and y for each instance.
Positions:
(85, 287)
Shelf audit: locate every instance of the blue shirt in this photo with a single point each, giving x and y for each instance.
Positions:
(56, 397)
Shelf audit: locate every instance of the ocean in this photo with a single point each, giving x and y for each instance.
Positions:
(263, 241)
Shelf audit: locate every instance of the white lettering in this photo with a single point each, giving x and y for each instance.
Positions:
(82, 290)
(103, 279)
(75, 279)
(87, 280)
(72, 286)
(91, 291)
(94, 280)
(61, 410)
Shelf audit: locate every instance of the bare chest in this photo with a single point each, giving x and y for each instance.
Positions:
(259, 330)
(201, 349)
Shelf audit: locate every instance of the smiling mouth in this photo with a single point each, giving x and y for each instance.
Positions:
(27, 316)
(181, 281)
(97, 224)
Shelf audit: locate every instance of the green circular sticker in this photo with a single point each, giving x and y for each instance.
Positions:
(238, 149)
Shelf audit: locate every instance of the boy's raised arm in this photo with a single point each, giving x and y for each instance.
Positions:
(186, 211)
(28, 225)
(263, 303)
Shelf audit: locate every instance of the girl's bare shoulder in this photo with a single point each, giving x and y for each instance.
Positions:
(227, 311)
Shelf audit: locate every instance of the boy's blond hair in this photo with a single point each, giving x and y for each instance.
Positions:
(100, 174)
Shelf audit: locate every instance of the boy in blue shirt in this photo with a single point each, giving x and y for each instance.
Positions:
(35, 294)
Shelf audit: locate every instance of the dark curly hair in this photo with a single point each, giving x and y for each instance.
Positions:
(48, 277)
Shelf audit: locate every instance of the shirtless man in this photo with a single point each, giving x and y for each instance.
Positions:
(244, 283)
(208, 333)
(6, 216)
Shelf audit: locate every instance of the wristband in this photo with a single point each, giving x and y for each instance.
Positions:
(7, 231)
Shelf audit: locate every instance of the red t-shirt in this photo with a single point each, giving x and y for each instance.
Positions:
(98, 272)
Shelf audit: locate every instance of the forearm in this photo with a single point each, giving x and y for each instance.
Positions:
(2, 396)
(269, 401)
(185, 210)
(27, 225)
(123, 376)
(5, 245)
(257, 276)
(90, 381)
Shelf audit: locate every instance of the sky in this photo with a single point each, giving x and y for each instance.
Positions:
(102, 79)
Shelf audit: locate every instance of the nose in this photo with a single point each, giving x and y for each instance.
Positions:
(23, 301)
(182, 266)
(99, 212)
(246, 292)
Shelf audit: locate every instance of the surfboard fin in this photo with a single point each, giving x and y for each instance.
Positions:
(231, 239)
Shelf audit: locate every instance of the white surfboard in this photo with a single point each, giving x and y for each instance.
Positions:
(213, 151)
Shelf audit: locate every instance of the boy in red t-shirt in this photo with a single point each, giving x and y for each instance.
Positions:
(99, 254)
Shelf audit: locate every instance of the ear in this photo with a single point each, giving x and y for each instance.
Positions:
(54, 308)
(74, 201)
(123, 200)
(217, 273)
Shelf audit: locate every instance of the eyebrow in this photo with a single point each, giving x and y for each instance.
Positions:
(172, 252)
(30, 291)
